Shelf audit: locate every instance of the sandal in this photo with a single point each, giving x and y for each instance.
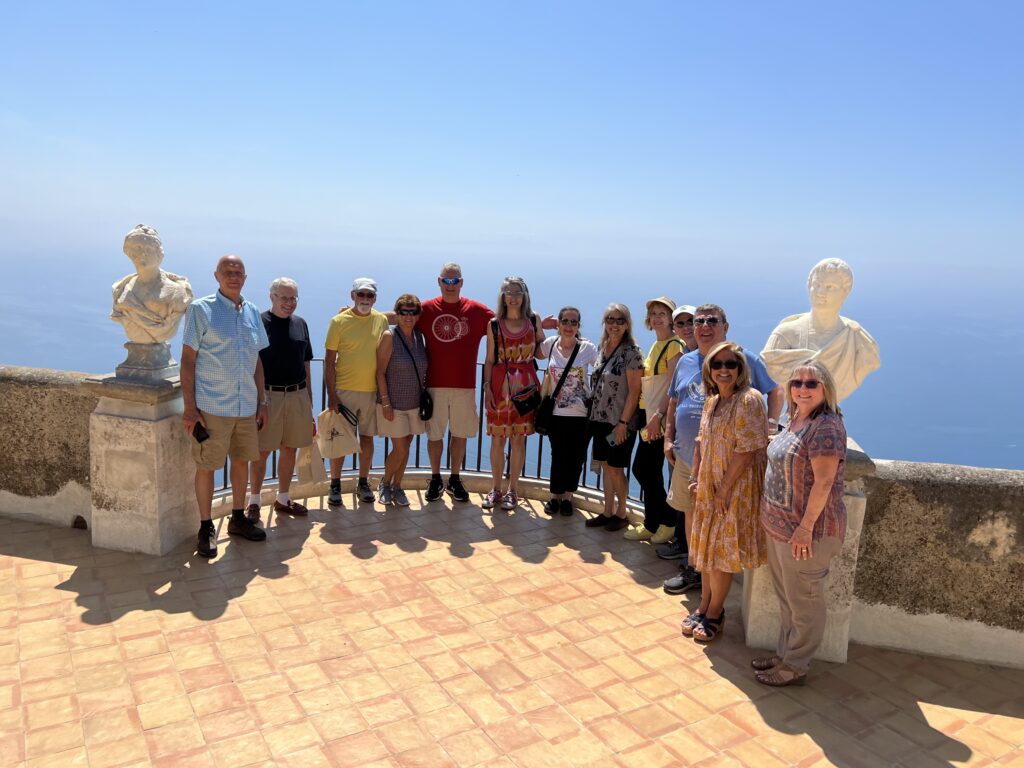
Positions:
(690, 623)
(780, 676)
(764, 663)
(708, 629)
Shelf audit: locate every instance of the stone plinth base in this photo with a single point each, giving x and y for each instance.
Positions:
(143, 497)
(148, 362)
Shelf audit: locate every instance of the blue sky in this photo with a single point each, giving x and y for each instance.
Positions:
(612, 150)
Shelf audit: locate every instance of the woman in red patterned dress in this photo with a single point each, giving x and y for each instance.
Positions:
(513, 343)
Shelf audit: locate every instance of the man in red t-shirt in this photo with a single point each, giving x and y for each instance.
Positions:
(453, 327)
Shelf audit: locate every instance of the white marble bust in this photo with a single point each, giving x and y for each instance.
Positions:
(150, 303)
(846, 349)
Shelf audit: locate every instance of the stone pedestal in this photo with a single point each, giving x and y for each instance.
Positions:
(142, 474)
(148, 362)
(760, 604)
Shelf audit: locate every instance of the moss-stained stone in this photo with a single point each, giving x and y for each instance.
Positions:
(44, 424)
(945, 539)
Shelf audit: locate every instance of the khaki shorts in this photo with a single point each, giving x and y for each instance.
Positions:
(454, 408)
(229, 436)
(289, 422)
(404, 424)
(679, 497)
(364, 406)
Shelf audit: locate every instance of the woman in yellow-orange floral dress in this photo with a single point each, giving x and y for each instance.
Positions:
(728, 474)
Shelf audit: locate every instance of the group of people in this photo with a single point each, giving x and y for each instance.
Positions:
(743, 490)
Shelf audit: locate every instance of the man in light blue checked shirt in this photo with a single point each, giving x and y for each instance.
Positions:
(225, 403)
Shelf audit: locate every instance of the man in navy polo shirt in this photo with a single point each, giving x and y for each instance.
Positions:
(686, 401)
(222, 386)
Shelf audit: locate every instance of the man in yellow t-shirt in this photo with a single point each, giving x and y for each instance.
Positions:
(350, 372)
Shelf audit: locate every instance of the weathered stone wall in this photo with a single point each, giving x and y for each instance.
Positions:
(44, 428)
(945, 539)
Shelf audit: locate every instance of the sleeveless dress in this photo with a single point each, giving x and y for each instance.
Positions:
(515, 358)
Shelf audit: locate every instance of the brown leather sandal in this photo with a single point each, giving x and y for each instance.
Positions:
(764, 663)
(780, 676)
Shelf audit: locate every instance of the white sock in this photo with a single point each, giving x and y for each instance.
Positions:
(254, 498)
(283, 498)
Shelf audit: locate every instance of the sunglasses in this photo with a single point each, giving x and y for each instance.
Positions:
(365, 295)
(408, 312)
(615, 320)
(568, 321)
(712, 321)
(514, 294)
(717, 365)
(805, 383)
(682, 323)
(450, 280)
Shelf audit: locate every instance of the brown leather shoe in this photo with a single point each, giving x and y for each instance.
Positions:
(291, 508)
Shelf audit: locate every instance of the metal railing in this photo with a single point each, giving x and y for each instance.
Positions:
(531, 470)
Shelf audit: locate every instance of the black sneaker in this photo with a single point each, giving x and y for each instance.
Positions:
(434, 489)
(565, 508)
(207, 545)
(245, 528)
(673, 551)
(365, 492)
(456, 489)
(687, 579)
(334, 497)
(597, 521)
(551, 506)
(616, 523)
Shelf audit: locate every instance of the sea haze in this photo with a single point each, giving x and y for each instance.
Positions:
(946, 392)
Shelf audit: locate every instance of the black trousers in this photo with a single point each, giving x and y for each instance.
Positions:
(649, 471)
(569, 438)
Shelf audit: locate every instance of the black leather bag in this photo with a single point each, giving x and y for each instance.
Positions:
(526, 399)
(426, 405)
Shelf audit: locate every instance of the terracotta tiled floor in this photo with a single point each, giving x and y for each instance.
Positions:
(429, 638)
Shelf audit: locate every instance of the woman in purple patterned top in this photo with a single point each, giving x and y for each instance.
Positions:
(803, 514)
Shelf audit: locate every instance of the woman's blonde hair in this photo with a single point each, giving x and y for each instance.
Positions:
(742, 373)
(627, 334)
(814, 369)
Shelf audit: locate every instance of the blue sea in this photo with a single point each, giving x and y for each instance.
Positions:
(952, 343)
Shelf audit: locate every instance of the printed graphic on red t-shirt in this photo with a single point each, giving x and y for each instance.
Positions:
(453, 334)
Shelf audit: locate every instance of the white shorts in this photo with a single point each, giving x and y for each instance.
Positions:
(403, 424)
(454, 409)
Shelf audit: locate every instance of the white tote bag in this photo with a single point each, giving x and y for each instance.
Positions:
(335, 435)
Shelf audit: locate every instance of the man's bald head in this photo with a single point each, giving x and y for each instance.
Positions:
(230, 276)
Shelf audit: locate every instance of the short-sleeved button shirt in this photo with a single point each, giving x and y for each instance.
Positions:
(227, 341)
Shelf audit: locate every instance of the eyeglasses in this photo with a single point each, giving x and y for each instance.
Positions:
(683, 323)
(615, 320)
(712, 321)
(805, 383)
(450, 280)
(514, 294)
(365, 295)
(717, 365)
(408, 312)
(287, 299)
(569, 321)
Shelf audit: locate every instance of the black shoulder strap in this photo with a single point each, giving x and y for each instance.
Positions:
(662, 354)
(565, 371)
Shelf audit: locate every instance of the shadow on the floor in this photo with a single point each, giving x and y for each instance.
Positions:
(873, 710)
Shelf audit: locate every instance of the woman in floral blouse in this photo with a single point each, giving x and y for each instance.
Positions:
(615, 383)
